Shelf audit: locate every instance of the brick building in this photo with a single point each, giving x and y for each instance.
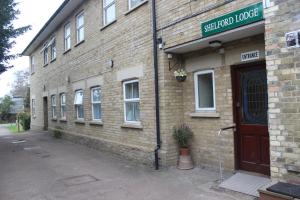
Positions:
(102, 75)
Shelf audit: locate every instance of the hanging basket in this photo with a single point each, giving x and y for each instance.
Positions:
(180, 78)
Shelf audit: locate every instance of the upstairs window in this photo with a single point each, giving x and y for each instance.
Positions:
(45, 55)
(205, 90)
(131, 101)
(53, 106)
(96, 103)
(133, 3)
(52, 45)
(63, 109)
(78, 102)
(109, 11)
(80, 27)
(32, 64)
(67, 37)
(266, 3)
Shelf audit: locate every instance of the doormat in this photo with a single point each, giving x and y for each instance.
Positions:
(286, 189)
(245, 183)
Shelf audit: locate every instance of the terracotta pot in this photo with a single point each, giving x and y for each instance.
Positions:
(184, 152)
(185, 160)
(180, 78)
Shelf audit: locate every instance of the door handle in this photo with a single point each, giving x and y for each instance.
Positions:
(238, 104)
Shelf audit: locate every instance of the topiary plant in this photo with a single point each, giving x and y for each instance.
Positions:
(24, 118)
(182, 134)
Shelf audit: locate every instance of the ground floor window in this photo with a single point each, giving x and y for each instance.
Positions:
(63, 106)
(78, 102)
(131, 101)
(53, 106)
(96, 103)
(204, 90)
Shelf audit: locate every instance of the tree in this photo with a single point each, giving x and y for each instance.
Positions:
(21, 84)
(8, 13)
(5, 104)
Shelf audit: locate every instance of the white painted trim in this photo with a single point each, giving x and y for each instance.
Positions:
(132, 7)
(78, 28)
(97, 102)
(130, 100)
(197, 93)
(104, 8)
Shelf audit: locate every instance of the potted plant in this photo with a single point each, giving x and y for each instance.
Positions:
(180, 75)
(182, 135)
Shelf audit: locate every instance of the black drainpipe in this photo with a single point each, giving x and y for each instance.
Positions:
(155, 63)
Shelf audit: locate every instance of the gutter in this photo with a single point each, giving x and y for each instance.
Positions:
(155, 65)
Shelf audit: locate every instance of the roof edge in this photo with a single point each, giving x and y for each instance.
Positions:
(25, 53)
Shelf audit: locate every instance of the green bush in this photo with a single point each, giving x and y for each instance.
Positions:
(57, 132)
(24, 118)
(182, 134)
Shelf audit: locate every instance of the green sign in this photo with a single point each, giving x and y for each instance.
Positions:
(233, 20)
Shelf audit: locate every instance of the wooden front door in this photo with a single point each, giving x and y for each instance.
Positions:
(251, 107)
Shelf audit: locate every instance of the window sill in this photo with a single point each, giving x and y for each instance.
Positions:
(53, 60)
(45, 65)
(107, 25)
(32, 73)
(63, 120)
(78, 121)
(79, 43)
(54, 119)
(135, 7)
(205, 115)
(96, 123)
(67, 51)
(132, 125)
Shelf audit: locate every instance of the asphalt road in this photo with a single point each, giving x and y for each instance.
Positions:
(36, 166)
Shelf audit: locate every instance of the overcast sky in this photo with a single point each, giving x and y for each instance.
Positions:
(35, 13)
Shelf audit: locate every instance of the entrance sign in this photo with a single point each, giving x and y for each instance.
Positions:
(247, 56)
(248, 15)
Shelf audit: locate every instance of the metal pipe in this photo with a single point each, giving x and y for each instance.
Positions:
(219, 156)
(156, 82)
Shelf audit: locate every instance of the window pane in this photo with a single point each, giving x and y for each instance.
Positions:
(107, 2)
(63, 99)
(67, 30)
(78, 98)
(63, 111)
(68, 43)
(135, 90)
(80, 34)
(128, 91)
(135, 2)
(96, 95)
(132, 111)
(80, 111)
(97, 111)
(110, 14)
(205, 91)
(80, 21)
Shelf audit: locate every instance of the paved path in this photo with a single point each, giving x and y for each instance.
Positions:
(44, 168)
(4, 130)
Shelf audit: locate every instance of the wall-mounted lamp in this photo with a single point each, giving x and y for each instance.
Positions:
(170, 56)
(111, 63)
(160, 43)
(68, 79)
(215, 43)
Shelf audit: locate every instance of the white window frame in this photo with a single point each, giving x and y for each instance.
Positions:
(130, 6)
(76, 105)
(53, 106)
(66, 37)
(33, 108)
(95, 102)
(45, 55)
(104, 10)
(32, 64)
(267, 3)
(78, 28)
(130, 100)
(63, 105)
(53, 49)
(197, 90)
